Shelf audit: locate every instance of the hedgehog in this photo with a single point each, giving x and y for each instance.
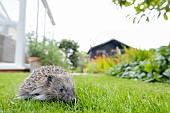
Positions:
(48, 83)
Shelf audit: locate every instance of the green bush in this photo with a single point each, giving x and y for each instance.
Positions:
(83, 59)
(100, 64)
(70, 49)
(52, 54)
(104, 64)
(78, 70)
(35, 48)
(155, 68)
(91, 67)
(133, 54)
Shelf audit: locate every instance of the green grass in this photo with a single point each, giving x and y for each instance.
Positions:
(97, 93)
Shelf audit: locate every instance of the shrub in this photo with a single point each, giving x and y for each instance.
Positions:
(91, 67)
(153, 68)
(78, 70)
(52, 54)
(101, 64)
(133, 54)
(104, 63)
(47, 50)
(35, 48)
(70, 49)
(83, 59)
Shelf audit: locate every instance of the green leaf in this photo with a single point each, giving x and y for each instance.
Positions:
(159, 15)
(134, 20)
(114, 1)
(149, 75)
(168, 58)
(157, 77)
(137, 9)
(160, 57)
(165, 16)
(148, 68)
(167, 72)
(140, 76)
(149, 80)
(147, 19)
(127, 4)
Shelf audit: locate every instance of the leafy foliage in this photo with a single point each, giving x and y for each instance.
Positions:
(52, 55)
(101, 64)
(145, 7)
(155, 68)
(83, 59)
(70, 48)
(35, 48)
(78, 69)
(47, 50)
(105, 63)
(91, 67)
(133, 54)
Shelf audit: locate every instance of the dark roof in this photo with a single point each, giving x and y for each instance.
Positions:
(106, 43)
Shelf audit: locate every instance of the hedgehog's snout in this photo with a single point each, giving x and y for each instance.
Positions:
(73, 100)
(72, 97)
(69, 97)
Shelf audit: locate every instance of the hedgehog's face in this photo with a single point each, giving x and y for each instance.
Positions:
(61, 88)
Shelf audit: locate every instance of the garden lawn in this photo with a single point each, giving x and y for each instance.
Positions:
(95, 93)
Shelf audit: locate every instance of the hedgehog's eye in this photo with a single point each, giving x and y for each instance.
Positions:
(36, 94)
(61, 89)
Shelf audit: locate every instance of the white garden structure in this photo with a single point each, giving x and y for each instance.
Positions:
(17, 18)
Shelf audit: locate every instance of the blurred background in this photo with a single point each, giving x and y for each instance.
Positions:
(61, 32)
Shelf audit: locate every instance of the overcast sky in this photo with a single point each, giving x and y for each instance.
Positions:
(97, 21)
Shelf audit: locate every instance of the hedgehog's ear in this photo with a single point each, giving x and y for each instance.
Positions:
(49, 78)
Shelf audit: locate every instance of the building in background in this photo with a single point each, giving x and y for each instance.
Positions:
(17, 18)
(109, 48)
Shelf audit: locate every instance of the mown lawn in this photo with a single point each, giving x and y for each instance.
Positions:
(95, 93)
